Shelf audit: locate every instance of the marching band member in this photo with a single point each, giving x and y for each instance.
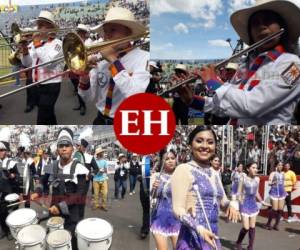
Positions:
(41, 162)
(121, 74)
(8, 183)
(180, 109)
(266, 88)
(164, 225)
(45, 47)
(247, 195)
(277, 195)
(67, 178)
(197, 193)
(84, 32)
(90, 163)
(235, 178)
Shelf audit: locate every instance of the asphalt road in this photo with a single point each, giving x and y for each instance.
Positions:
(13, 107)
(287, 238)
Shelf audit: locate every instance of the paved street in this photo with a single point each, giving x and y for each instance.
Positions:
(288, 238)
(13, 106)
(125, 217)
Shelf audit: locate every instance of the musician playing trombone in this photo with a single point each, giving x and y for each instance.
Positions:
(123, 72)
(266, 88)
(45, 47)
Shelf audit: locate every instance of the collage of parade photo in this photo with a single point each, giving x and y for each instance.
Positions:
(150, 124)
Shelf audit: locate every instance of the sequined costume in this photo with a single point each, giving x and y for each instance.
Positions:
(207, 181)
(277, 191)
(236, 176)
(163, 220)
(248, 206)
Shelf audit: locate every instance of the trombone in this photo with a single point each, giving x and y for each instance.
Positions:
(76, 56)
(225, 62)
(76, 53)
(18, 32)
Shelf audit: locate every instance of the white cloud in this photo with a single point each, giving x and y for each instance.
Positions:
(161, 47)
(181, 28)
(241, 4)
(207, 10)
(218, 43)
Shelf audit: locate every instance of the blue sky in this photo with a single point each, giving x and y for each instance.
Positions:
(193, 29)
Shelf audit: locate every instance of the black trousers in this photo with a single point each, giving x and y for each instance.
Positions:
(32, 97)
(48, 95)
(145, 201)
(75, 82)
(103, 120)
(288, 202)
(3, 213)
(181, 111)
(81, 207)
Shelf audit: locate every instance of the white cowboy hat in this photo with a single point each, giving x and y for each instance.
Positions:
(124, 17)
(99, 150)
(83, 27)
(121, 155)
(181, 67)
(233, 66)
(153, 64)
(286, 9)
(46, 16)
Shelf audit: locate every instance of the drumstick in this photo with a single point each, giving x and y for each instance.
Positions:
(17, 203)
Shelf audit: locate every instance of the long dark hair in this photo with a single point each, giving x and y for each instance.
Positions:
(201, 129)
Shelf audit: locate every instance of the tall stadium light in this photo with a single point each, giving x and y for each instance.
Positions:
(229, 41)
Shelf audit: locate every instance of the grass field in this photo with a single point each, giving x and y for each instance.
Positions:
(5, 66)
(4, 53)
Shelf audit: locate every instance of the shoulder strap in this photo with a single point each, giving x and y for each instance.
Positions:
(55, 169)
(73, 167)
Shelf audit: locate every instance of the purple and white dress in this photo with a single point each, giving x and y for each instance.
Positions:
(211, 192)
(277, 191)
(236, 176)
(248, 205)
(163, 221)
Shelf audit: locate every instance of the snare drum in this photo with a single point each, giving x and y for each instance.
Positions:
(10, 199)
(94, 234)
(19, 219)
(55, 223)
(59, 240)
(31, 237)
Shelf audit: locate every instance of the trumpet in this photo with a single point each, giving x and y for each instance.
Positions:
(225, 62)
(76, 53)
